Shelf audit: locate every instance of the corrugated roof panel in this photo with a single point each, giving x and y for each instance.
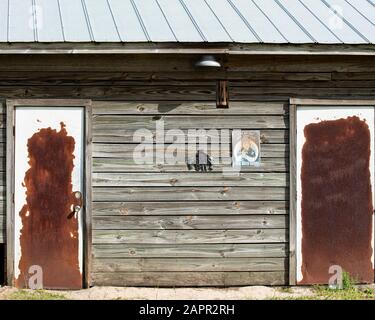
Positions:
(48, 21)
(100, 19)
(333, 22)
(127, 22)
(180, 22)
(318, 31)
(284, 22)
(153, 18)
(232, 21)
(21, 21)
(366, 9)
(74, 21)
(3, 21)
(259, 22)
(355, 19)
(247, 21)
(207, 22)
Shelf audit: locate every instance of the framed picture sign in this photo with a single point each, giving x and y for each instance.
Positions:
(245, 148)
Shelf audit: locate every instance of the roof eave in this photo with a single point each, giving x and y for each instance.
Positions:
(217, 48)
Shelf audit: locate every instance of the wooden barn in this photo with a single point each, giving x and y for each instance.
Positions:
(186, 142)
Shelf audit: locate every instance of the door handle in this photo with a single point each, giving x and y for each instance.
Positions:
(77, 209)
(78, 195)
(78, 206)
(78, 202)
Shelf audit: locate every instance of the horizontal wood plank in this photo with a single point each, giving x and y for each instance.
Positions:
(189, 279)
(189, 208)
(188, 222)
(129, 165)
(173, 63)
(244, 82)
(353, 76)
(111, 92)
(188, 193)
(188, 264)
(173, 108)
(69, 77)
(170, 93)
(306, 84)
(179, 153)
(223, 250)
(135, 122)
(191, 179)
(189, 236)
(246, 93)
(125, 135)
(296, 64)
(178, 93)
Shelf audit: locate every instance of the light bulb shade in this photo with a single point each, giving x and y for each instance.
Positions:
(208, 61)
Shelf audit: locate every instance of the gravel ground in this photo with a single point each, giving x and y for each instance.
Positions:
(132, 293)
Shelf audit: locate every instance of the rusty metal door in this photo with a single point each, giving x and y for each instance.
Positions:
(335, 190)
(48, 189)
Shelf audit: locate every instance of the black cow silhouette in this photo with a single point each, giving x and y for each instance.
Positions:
(201, 163)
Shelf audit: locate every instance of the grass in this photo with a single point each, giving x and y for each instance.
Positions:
(295, 298)
(286, 289)
(349, 291)
(324, 293)
(35, 295)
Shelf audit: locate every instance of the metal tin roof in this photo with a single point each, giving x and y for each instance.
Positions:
(242, 21)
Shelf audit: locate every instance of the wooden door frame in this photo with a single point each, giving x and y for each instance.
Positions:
(87, 221)
(294, 103)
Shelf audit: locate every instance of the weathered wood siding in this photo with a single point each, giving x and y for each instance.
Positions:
(164, 225)
(168, 225)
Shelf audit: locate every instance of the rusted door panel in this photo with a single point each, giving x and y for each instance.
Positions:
(335, 196)
(48, 170)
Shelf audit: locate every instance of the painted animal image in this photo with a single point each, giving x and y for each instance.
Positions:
(247, 150)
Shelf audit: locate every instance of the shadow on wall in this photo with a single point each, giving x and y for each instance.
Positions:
(2, 264)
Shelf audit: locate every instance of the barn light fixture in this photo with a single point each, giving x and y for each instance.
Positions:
(208, 61)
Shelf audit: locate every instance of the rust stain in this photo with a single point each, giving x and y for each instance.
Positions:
(49, 234)
(336, 200)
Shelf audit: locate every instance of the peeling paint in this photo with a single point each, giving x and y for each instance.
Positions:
(336, 201)
(49, 233)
